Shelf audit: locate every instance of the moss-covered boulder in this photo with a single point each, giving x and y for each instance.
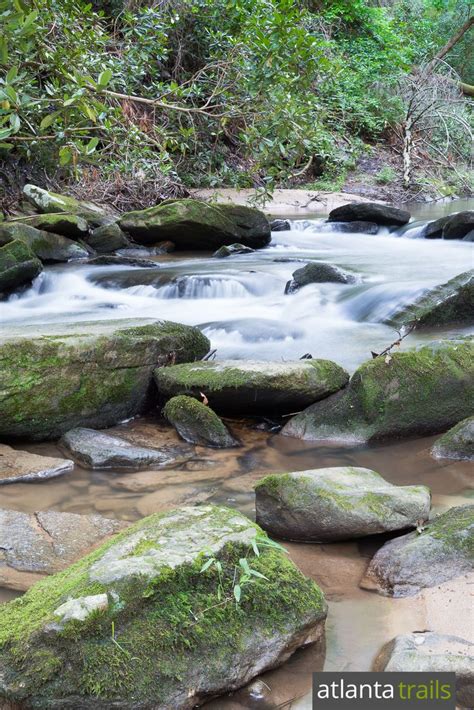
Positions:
(50, 202)
(421, 391)
(370, 212)
(162, 616)
(191, 224)
(87, 375)
(457, 443)
(428, 652)
(327, 504)
(18, 265)
(318, 272)
(47, 246)
(438, 551)
(447, 304)
(108, 238)
(248, 387)
(69, 225)
(198, 424)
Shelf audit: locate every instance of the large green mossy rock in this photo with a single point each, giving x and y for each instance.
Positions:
(248, 387)
(341, 503)
(69, 225)
(150, 620)
(191, 224)
(46, 246)
(457, 443)
(18, 265)
(441, 550)
(51, 202)
(421, 391)
(447, 304)
(88, 375)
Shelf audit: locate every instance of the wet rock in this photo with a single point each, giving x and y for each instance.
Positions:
(449, 303)
(165, 609)
(434, 230)
(457, 443)
(420, 391)
(48, 202)
(459, 225)
(252, 386)
(370, 212)
(232, 249)
(18, 466)
(356, 227)
(91, 375)
(328, 504)
(428, 652)
(441, 551)
(94, 449)
(114, 260)
(255, 330)
(469, 236)
(157, 250)
(318, 272)
(35, 544)
(280, 225)
(18, 265)
(191, 224)
(198, 424)
(108, 238)
(68, 225)
(46, 246)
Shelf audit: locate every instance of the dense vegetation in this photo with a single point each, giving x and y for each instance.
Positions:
(149, 98)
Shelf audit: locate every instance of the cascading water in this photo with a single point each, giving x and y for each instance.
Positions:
(239, 302)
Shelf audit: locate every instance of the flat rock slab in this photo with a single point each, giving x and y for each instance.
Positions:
(98, 450)
(37, 544)
(328, 504)
(408, 564)
(247, 387)
(428, 652)
(19, 466)
(457, 443)
(176, 639)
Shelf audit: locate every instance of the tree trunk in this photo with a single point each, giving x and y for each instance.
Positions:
(407, 149)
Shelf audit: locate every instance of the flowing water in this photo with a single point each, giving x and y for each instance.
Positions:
(240, 304)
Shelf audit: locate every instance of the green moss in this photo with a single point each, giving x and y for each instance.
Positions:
(454, 528)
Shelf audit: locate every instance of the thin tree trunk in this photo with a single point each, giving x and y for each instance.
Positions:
(454, 39)
(407, 148)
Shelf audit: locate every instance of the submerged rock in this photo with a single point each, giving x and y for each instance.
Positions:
(327, 504)
(47, 246)
(182, 631)
(356, 227)
(449, 303)
(457, 443)
(35, 544)
(69, 225)
(440, 551)
(428, 652)
(18, 466)
(420, 391)
(108, 238)
(230, 250)
(47, 202)
(18, 265)
(191, 224)
(370, 212)
(252, 386)
(198, 424)
(115, 260)
(94, 449)
(318, 272)
(87, 374)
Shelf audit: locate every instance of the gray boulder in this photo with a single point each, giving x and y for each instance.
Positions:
(160, 617)
(18, 265)
(439, 551)
(232, 249)
(50, 202)
(459, 225)
(46, 246)
(108, 238)
(96, 450)
(328, 504)
(434, 230)
(280, 225)
(35, 544)
(428, 652)
(198, 424)
(447, 304)
(19, 466)
(420, 391)
(356, 227)
(252, 386)
(92, 375)
(318, 272)
(370, 212)
(69, 225)
(457, 443)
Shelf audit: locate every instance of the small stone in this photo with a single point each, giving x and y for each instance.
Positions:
(318, 272)
(18, 466)
(232, 249)
(198, 424)
(82, 607)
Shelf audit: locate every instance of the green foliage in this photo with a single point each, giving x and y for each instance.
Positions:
(386, 175)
